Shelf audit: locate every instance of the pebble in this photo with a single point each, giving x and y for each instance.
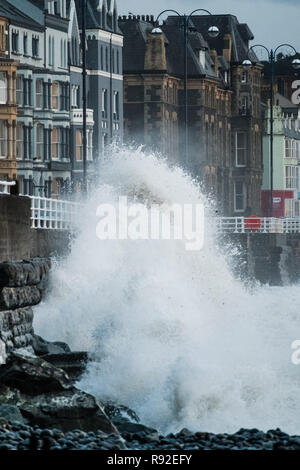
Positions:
(18, 436)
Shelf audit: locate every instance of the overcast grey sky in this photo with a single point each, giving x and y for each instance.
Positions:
(272, 21)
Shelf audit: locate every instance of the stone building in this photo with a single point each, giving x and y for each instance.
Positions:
(224, 114)
(8, 108)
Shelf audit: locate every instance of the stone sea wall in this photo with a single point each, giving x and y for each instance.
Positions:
(21, 287)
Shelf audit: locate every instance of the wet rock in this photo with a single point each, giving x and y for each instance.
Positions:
(32, 375)
(15, 297)
(42, 347)
(66, 410)
(16, 328)
(26, 273)
(11, 413)
(73, 363)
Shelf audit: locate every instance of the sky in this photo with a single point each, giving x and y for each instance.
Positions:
(272, 22)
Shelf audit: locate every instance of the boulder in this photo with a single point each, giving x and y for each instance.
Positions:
(73, 363)
(66, 410)
(42, 347)
(32, 375)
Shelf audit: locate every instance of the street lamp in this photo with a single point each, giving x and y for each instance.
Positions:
(213, 32)
(271, 59)
(83, 48)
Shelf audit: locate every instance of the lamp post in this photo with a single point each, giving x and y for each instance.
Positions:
(272, 60)
(213, 32)
(83, 48)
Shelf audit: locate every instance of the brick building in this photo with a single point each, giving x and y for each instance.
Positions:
(224, 112)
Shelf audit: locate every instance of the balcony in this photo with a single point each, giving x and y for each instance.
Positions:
(76, 116)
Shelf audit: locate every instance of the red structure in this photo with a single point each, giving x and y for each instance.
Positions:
(279, 198)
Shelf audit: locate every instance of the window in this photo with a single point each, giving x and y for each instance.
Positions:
(3, 87)
(61, 53)
(90, 145)
(15, 41)
(35, 46)
(78, 145)
(240, 147)
(2, 39)
(116, 105)
(19, 140)
(291, 177)
(39, 142)
(39, 94)
(118, 62)
(50, 51)
(55, 143)
(106, 58)
(55, 92)
(244, 110)
(25, 44)
(56, 7)
(104, 103)
(240, 196)
(101, 57)
(3, 139)
(113, 61)
(74, 96)
(244, 76)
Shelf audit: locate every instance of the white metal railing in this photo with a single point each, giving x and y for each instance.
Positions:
(259, 225)
(54, 214)
(5, 186)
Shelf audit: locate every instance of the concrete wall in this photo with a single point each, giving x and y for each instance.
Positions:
(18, 241)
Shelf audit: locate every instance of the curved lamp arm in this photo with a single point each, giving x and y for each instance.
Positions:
(165, 11)
(282, 45)
(251, 49)
(195, 11)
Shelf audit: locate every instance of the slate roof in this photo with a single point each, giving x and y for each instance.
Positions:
(227, 24)
(17, 17)
(135, 36)
(93, 14)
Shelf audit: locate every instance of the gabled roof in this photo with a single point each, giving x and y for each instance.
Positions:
(17, 17)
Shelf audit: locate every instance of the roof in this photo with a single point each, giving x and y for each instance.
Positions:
(94, 9)
(135, 37)
(17, 17)
(227, 24)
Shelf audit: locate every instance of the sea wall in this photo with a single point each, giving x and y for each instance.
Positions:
(18, 240)
(21, 287)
